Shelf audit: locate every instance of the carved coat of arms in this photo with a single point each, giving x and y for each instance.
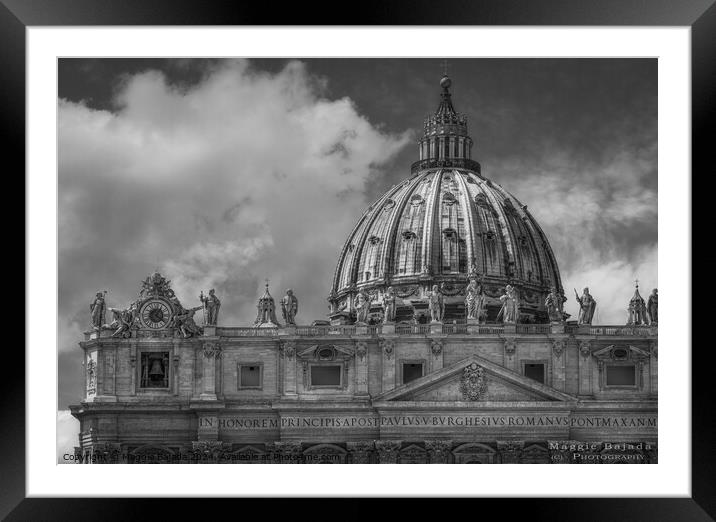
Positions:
(473, 383)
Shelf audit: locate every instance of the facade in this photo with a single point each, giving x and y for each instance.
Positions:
(446, 343)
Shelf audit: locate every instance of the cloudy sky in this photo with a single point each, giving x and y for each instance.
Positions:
(222, 173)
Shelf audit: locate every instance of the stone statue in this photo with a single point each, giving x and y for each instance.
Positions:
(289, 307)
(389, 305)
(184, 321)
(510, 311)
(362, 305)
(473, 269)
(555, 303)
(211, 307)
(587, 304)
(123, 321)
(637, 309)
(436, 305)
(652, 307)
(475, 300)
(98, 309)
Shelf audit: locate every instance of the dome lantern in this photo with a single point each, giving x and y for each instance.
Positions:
(445, 140)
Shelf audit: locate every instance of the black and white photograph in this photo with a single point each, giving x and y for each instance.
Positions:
(357, 260)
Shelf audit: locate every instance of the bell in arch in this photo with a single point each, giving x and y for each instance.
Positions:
(156, 372)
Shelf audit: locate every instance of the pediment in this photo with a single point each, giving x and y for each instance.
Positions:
(475, 379)
(326, 352)
(621, 353)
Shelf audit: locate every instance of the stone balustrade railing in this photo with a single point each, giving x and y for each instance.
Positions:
(639, 331)
(410, 329)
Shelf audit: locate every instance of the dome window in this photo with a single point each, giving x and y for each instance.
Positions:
(374, 240)
(450, 233)
(449, 198)
(389, 204)
(416, 200)
(481, 200)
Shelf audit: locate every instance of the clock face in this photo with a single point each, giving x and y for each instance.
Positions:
(156, 314)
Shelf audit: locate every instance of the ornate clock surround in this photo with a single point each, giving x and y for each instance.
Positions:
(156, 313)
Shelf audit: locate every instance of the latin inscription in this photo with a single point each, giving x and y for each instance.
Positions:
(464, 421)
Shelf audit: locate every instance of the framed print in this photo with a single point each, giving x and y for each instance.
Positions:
(434, 241)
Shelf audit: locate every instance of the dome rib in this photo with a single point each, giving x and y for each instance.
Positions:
(394, 226)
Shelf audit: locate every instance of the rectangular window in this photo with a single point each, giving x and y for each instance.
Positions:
(250, 376)
(325, 375)
(535, 371)
(621, 375)
(412, 371)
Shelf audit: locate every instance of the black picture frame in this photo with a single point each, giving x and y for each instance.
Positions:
(699, 15)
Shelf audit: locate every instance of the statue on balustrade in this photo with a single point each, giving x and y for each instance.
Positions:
(436, 305)
(98, 309)
(510, 311)
(475, 300)
(289, 307)
(211, 307)
(652, 307)
(362, 306)
(389, 305)
(587, 305)
(555, 306)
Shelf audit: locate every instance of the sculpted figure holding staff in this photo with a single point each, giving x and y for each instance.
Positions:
(587, 304)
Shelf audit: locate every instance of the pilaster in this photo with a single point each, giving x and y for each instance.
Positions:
(654, 367)
(559, 357)
(387, 348)
(510, 348)
(361, 451)
(211, 352)
(361, 368)
(510, 451)
(438, 451)
(287, 452)
(585, 368)
(436, 354)
(388, 451)
(288, 351)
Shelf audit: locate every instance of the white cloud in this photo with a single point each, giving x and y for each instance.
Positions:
(595, 218)
(244, 176)
(612, 285)
(68, 429)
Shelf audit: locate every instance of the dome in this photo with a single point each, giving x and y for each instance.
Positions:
(446, 224)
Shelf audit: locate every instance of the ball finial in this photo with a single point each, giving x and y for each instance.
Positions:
(445, 82)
